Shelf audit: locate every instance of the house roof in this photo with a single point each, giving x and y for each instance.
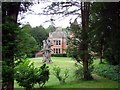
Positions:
(58, 33)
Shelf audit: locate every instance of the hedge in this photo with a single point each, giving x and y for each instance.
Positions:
(59, 55)
(109, 71)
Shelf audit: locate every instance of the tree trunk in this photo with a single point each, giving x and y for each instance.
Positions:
(101, 53)
(101, 49)
(87, 75)
(13, 12)
(85, 19)
(11, 85)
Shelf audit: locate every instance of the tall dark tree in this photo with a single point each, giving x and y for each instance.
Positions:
(10, 30)
(9, 20)
(9, 34)
(85, 9)
(105, 30)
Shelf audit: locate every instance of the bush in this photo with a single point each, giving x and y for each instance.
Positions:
(111, 57)
(59, 55)
(42, 75)
(27, 75)
(109, 71)
(57, 72)
(79, 71)
(79, 74)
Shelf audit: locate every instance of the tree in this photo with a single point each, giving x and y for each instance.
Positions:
(104, 24)
(51, 28)
(85, 9)
(40, 34)
(26, 43)
(10, 30)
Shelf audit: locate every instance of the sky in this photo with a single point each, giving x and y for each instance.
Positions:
(44, 20)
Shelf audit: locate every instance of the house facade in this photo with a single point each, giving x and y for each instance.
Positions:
(58, 39)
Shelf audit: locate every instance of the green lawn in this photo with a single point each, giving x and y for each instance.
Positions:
(63, 63)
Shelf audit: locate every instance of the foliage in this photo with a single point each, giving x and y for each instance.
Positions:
(17, 44)
(18, 39)
(65, 62)
(27, 75)
(79, 70)
(73, 42)
(105, 30)
(109, 71)
(76, 45)
(26, 42)
(10, 30)
(59, 55)
(43, 75)
(57, 73)
(40, 34)
(7, 73)
(51, 28)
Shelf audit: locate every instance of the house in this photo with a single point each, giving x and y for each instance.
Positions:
(58, 39)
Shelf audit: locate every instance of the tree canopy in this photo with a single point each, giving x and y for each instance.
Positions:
(40, 34)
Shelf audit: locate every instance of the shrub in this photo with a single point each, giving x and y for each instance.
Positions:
(57, 72)
(79, 71)
(42, 75)
(109, 71)
(59, 55)
(27, 75)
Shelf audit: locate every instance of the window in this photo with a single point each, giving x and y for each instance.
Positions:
(59, 50)
(56, 51)
(59, 42)
(56, 42)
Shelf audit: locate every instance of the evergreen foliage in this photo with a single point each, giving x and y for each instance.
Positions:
(105, 31)
(10, 30)
(75, 49)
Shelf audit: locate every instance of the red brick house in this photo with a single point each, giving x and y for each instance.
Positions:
(58, 39)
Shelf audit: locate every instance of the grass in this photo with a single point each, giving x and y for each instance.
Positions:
(63, 63)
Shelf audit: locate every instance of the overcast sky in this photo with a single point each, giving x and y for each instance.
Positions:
(37, 20)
